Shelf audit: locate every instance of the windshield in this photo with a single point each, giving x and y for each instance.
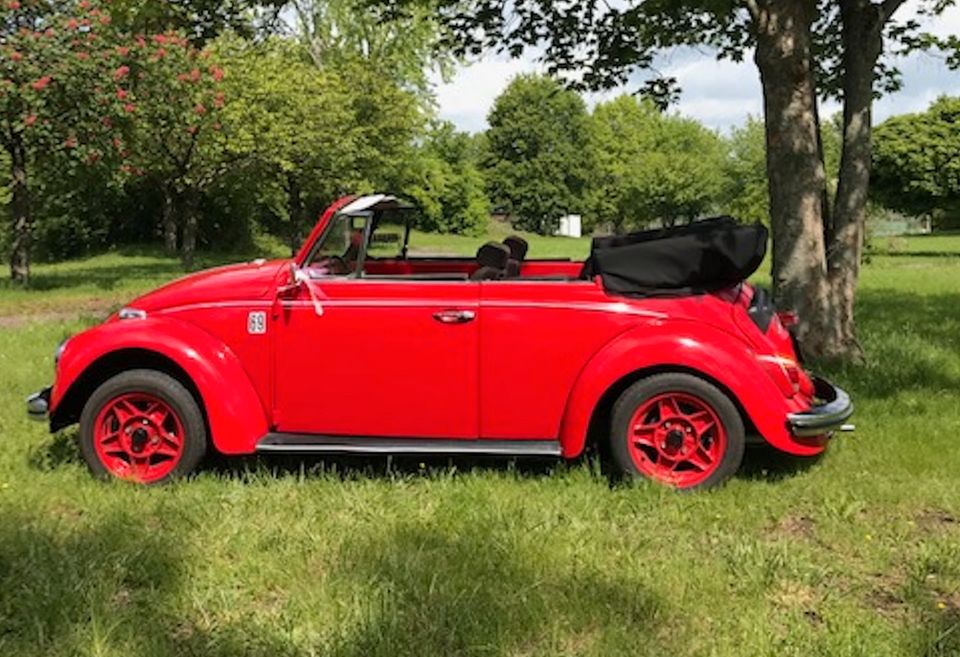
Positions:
(338, 251)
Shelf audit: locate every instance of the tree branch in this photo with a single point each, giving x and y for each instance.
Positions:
(887, 9)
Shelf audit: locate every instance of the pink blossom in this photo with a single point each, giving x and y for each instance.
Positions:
(195, 75)
(200, 109)
(121, 94)
(83, 55)
(129, 108)
(42, 83)
(218, 100)
(70, 142)
(105, 19)
(160, 38)
(73, 24)
(84, 4)
(121, 72)
(217, 73)
(123, 51)
(16, 56)
(13, 5)
(30, 120)
(107, 122)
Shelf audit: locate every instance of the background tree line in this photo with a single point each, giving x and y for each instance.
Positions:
(202, 124)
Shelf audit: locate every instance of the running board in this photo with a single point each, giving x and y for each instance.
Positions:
(293, 443)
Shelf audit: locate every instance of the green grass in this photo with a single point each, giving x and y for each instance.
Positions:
(857, 554)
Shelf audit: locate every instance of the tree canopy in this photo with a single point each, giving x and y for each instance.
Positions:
(538, 152)
(651, 166)
(917, 160)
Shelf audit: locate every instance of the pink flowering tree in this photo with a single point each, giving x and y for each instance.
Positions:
(172, 92)
(56, 59)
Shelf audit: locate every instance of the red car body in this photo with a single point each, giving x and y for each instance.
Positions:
(396, 360)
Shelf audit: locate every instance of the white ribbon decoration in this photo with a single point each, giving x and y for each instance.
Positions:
(302, 276)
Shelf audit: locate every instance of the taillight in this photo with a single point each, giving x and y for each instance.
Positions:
(785, 372)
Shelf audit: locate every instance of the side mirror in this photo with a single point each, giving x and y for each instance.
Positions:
(293, 284)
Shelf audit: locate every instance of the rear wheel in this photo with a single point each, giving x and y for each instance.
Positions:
(676, 429)
(142, 426)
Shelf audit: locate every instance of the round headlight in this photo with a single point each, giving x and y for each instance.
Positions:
(59, 352)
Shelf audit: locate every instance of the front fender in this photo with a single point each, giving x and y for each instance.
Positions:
(682, 345)
(234, 410)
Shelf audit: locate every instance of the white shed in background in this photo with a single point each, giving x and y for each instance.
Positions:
(569, 226)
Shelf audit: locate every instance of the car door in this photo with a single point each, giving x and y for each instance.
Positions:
(378, 357)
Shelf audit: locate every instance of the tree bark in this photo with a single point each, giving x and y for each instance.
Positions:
(862, 26)
(168, 222)
(20, 212)
(797, 178)
(189, 245)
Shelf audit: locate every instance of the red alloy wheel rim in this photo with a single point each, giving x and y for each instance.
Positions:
(138, 436)
(677, 438)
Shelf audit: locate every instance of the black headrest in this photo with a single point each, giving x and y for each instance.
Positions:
(518, 247)
(494, 255)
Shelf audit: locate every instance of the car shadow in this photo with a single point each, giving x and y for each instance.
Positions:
(760, 462)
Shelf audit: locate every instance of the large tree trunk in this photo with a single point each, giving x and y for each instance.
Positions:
(189, 245)
(20, 213)
(168, 222)
(797, 179)
(862, 44)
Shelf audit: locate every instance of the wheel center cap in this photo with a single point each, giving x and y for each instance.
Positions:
(138, 439)
(674, 440)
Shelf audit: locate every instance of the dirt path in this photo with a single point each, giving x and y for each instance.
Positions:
(97, 308)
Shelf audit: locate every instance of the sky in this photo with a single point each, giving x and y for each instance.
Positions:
(719, 94)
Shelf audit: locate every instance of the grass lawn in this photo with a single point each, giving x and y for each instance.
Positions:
(857, 554)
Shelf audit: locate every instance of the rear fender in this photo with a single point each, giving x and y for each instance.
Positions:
(234, 411)
(682, 346)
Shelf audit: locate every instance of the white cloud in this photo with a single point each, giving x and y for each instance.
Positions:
(720, 94)
(466, 99)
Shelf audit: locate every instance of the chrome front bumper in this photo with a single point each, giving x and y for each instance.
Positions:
(38, 405)
(830, 415)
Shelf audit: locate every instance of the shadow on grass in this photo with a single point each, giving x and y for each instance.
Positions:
(760, 462)
(913, 254)
(433, 587)
(905, 336)
(99, 585)
(764, 463)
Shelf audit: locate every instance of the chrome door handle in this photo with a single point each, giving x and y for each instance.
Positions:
(454, 316)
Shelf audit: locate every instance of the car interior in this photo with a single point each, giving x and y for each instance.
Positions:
(376, 245)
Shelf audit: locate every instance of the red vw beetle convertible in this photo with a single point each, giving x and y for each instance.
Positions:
(654, 348)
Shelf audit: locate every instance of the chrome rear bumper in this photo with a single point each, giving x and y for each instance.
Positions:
(830, 415)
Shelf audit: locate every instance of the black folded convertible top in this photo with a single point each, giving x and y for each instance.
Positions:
(699, 257)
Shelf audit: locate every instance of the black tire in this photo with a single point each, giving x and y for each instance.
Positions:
(646, 389)
(159, 385)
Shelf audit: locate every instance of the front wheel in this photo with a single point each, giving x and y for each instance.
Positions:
(142, 426)
(677, 429)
